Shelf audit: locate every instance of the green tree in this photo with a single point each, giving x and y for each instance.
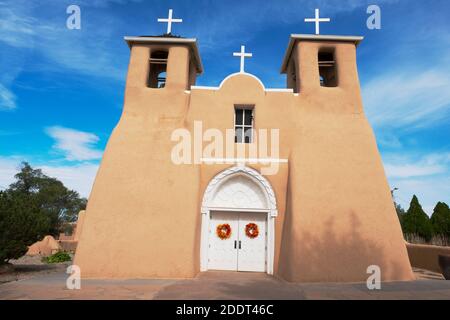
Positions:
(58, 203)
(441, 220)
(416, 221)
(400, 213)
(33, 206)
(21, 224)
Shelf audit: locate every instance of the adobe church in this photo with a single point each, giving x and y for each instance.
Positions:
(325, 215)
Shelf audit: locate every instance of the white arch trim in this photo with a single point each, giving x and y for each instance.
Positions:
(270, 209)
(246, 74)
(249, 172)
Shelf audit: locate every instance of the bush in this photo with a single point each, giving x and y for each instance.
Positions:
(57, 258)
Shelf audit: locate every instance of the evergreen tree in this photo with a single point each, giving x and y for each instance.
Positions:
(416, 221)
(33, 206)
(441, 220)
(60, 204)
(400, 213)
(21, 224)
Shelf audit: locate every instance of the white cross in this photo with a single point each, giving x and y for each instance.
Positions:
(243, 55)
(317, 20)
(169, 21)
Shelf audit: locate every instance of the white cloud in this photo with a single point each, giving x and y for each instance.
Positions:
(8, 168)
(409, 100)
(413, 170)
(416, 166)
(16, 30)
(427, 176)
(75, 145)
(21, 27)
(7, 99)
(429, 190)
(79, 177)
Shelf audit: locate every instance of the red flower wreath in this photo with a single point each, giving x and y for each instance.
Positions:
(251, 230)
(223, 231)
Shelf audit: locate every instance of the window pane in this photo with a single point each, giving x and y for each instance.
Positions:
(238, 135)
(239, 116)
(248, 117)
(248, 135)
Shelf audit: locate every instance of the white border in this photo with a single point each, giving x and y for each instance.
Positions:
(271, 211)
(284, 90)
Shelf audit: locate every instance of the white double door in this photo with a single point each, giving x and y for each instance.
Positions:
(239, 252)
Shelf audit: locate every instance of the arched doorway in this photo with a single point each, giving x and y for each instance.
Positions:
(240, 200)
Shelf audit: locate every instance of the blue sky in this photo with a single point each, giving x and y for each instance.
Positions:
(61, 90)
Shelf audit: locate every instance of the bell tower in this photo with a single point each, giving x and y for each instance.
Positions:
(163, 63)
(161, 69)
(325, 67)
(340, 218)
(128, 213)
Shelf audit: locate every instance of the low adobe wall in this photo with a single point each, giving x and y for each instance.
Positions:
(45, 247)
(68, 245)
(426, 256)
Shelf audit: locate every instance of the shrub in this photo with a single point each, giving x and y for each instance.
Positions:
(57, 257)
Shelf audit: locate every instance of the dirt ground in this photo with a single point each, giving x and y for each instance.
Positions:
(216, 285)
(30, 278)
(28, 267)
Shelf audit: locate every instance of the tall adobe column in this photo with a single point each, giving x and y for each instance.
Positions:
(131, 230)
(340, 217)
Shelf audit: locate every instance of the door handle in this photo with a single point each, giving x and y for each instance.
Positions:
(235, 244)
(239, 244)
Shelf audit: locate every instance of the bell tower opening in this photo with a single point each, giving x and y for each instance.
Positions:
(327, 68)
(157, 70)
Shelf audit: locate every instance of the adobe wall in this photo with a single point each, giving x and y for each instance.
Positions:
(336, 215)
(79, 225)
(340, 216)
(141, 218)
(426, 256)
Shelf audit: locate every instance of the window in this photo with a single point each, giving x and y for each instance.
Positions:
(243, 124)
(158, 68)
(327, 68)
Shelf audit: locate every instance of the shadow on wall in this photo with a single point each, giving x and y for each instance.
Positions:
(329, 256)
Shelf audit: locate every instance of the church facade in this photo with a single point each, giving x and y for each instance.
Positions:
(324, 214)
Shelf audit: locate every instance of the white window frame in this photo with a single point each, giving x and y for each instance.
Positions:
(243, 126)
